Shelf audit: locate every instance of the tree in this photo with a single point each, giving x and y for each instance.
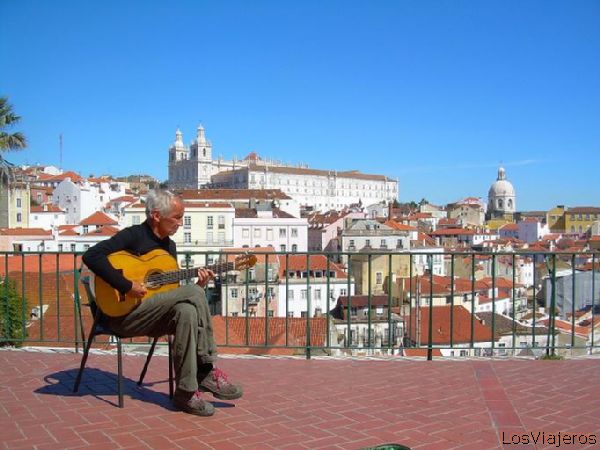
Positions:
(8, 141)
(12, 314)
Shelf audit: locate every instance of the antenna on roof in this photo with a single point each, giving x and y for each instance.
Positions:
(60, 145)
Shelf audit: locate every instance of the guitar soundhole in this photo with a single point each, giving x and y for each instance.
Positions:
(154, 280)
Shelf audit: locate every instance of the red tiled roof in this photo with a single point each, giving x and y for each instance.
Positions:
(252, 156)
(461, 329)
(106, 230)
(208, 205)
(47, 208)
(452, 232)
(414, 352)
(304, 171)
(233, 194)
(48, 263)
(25, 232)
(251, 213)
(75, 178)
(399, 226)
(317, 262)
(276, 333)
(98, 218)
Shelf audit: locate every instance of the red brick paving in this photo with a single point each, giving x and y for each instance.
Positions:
(295, 404)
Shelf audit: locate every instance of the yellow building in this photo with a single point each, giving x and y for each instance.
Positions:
(14, 206)
(580, 218)
(555, 218)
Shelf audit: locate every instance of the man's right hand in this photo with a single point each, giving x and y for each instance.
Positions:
(137, 290)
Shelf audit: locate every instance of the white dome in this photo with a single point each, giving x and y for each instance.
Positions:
(502, 188)
(501, 196)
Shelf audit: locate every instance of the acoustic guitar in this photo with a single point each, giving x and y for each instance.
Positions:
(158, 271)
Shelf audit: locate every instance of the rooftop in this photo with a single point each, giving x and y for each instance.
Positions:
(296, 403)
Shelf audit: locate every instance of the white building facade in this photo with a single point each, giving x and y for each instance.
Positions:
(192, 167)
(282, 232)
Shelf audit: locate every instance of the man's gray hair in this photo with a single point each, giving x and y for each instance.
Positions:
(160, 200)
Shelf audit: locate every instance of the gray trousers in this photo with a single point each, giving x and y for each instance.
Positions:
(182, 312)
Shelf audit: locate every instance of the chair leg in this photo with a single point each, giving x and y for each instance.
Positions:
(84, 358)
(148, 358)
(170, 339)
(120, 372)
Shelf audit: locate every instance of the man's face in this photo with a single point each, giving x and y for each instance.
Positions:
(168, 224)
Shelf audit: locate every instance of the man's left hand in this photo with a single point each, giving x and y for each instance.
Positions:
(204, 276)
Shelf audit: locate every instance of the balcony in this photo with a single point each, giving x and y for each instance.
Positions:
(479, 403)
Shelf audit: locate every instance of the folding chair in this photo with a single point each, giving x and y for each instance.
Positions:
(99, 327)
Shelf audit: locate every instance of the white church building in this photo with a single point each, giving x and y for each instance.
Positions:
(194, 167)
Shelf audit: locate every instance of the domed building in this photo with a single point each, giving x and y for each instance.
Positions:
(502, 200)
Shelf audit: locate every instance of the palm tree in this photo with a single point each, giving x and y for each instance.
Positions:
(8, 141)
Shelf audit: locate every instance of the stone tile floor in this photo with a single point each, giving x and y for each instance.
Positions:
(304, 404)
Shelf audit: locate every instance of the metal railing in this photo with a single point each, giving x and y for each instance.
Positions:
(533, 304)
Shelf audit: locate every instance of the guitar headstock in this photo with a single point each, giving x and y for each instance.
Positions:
(244, 261)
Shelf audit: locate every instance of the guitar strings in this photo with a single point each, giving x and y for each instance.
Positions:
(182, 274)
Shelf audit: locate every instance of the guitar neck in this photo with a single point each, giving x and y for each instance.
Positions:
(175, 276)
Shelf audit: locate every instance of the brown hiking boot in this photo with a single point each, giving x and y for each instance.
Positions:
(216, 382)
(192, 403)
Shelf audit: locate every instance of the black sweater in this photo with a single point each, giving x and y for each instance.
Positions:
(137, 239)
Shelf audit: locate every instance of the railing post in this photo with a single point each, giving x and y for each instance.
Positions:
(430, 337)
(308, 306)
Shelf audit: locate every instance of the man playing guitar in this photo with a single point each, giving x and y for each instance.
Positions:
(182, 311)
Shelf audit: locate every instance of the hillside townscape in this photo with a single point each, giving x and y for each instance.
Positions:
(338, 248)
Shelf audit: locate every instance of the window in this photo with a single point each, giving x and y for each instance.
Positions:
(209, 222)
(270, 313)
(383, 243)
(187, 222)
(86, 246)
(18, 203)
(291, 294)
(221, 237)
(378, 277)
(209, 236)
(221, 222)
(343, 292)
(303, 294)
(187, 238)
(368, 243)
(72, 247)
(294, 248)
(269, 234)
(135, 220)
(282, 247)
(39, 198)
(257, 232)
(19, 217)
(60, 247)
(234, 314)
(399, 244)
(282, 232)
(234, 293)
(294, 232)
(353, 311)
(317, 294)
(245, 233)
(302, 313)
(290, 314)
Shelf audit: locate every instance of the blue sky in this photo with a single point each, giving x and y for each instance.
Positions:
(435, 93)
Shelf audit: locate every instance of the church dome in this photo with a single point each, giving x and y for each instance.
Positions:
(501, 187)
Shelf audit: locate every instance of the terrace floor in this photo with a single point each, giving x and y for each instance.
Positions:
(298, 403)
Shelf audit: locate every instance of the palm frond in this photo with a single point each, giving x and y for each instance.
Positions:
(14, 141)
